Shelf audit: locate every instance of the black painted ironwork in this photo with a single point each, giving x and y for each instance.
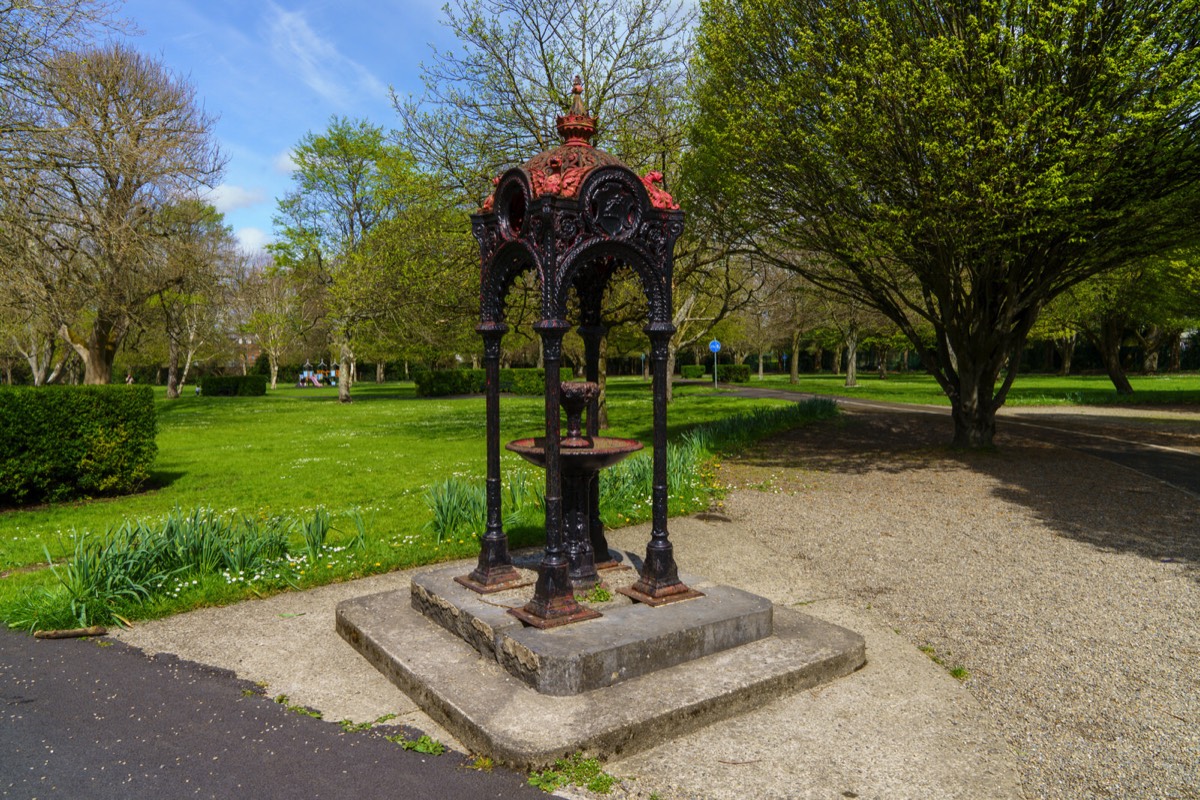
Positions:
(575, 215)
(495, 571)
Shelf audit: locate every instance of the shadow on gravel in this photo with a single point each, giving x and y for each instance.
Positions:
(1084, 498)
(1183, 433)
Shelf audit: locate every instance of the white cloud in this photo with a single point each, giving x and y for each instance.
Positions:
(228, 197)
(316, 60)
(252, 239)
(284, 163)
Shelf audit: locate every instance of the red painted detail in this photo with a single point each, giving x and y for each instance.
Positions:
(659, 198)
(561, 171)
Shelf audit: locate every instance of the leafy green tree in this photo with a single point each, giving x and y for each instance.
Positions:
(953, 163)
(1147, 301)
(338, 198)
(389, 256)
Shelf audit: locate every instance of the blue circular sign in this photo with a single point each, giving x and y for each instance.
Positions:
(715, 346)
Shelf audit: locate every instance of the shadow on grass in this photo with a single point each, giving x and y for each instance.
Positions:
(359, 397)
(1076, 496)
(161, 479)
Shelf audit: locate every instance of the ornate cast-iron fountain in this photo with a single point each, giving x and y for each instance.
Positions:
(575, 215)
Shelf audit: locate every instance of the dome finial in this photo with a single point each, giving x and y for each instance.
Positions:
(577, 109)
(577, 128)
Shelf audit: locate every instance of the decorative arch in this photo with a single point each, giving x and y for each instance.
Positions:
(628, 254)
(511, 259)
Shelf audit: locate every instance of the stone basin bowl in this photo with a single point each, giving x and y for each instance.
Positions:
(604, 452)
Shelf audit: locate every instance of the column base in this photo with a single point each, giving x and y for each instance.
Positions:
(669, 594)
(494, 580)
(530, 618)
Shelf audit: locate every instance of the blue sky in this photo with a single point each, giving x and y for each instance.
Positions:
(274, 70)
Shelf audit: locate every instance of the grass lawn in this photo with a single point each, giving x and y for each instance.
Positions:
(918, 387)
(296, 450)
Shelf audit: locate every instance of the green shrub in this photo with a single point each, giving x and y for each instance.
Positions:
(692, 371)
(233, 385)
(529, 381)
(733, 373)
(63, 442)
(442, 382)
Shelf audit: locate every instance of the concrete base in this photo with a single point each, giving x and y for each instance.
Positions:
(497, 714)
(627, 639)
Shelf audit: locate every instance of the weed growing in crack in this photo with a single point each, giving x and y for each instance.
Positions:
(574, 771)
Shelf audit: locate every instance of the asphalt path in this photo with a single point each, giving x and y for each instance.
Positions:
(92, 718)
(1175, 466)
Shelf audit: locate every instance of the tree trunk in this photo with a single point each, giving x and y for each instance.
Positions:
(380, 371)
(187, 368)
(760, 365)
(1150, 361)
(974, 429)
(344, 372)
(882, 354)
(837, 360)
(40, 357)
(851, 359)
(1110, 350)
(973, 407)
(794, 367)
(273, 363)
(99, 350)
(1066, 352)
(671, 351)
(1151, 341)
(1176, 349)
(602, 380)
(172, 368)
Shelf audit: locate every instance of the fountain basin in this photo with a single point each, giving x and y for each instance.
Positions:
(605, 451)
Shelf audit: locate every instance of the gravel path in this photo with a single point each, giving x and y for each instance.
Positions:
(1067, 587)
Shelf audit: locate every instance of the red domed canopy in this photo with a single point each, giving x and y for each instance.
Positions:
(561, 171)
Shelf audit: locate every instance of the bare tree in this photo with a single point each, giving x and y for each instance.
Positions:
(125, 139)
(491, 104)
(197, 251)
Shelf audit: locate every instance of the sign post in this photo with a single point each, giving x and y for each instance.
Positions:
(715, 346)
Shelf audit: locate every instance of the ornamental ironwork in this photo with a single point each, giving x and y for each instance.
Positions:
(575, 215)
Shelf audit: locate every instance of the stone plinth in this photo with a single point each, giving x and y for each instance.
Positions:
(613, 685)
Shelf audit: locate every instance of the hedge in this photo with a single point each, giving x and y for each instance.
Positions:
(692, 371)
(733, 373)
(441, 382)
(65, 442)
(529, 381)
(233, 385)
